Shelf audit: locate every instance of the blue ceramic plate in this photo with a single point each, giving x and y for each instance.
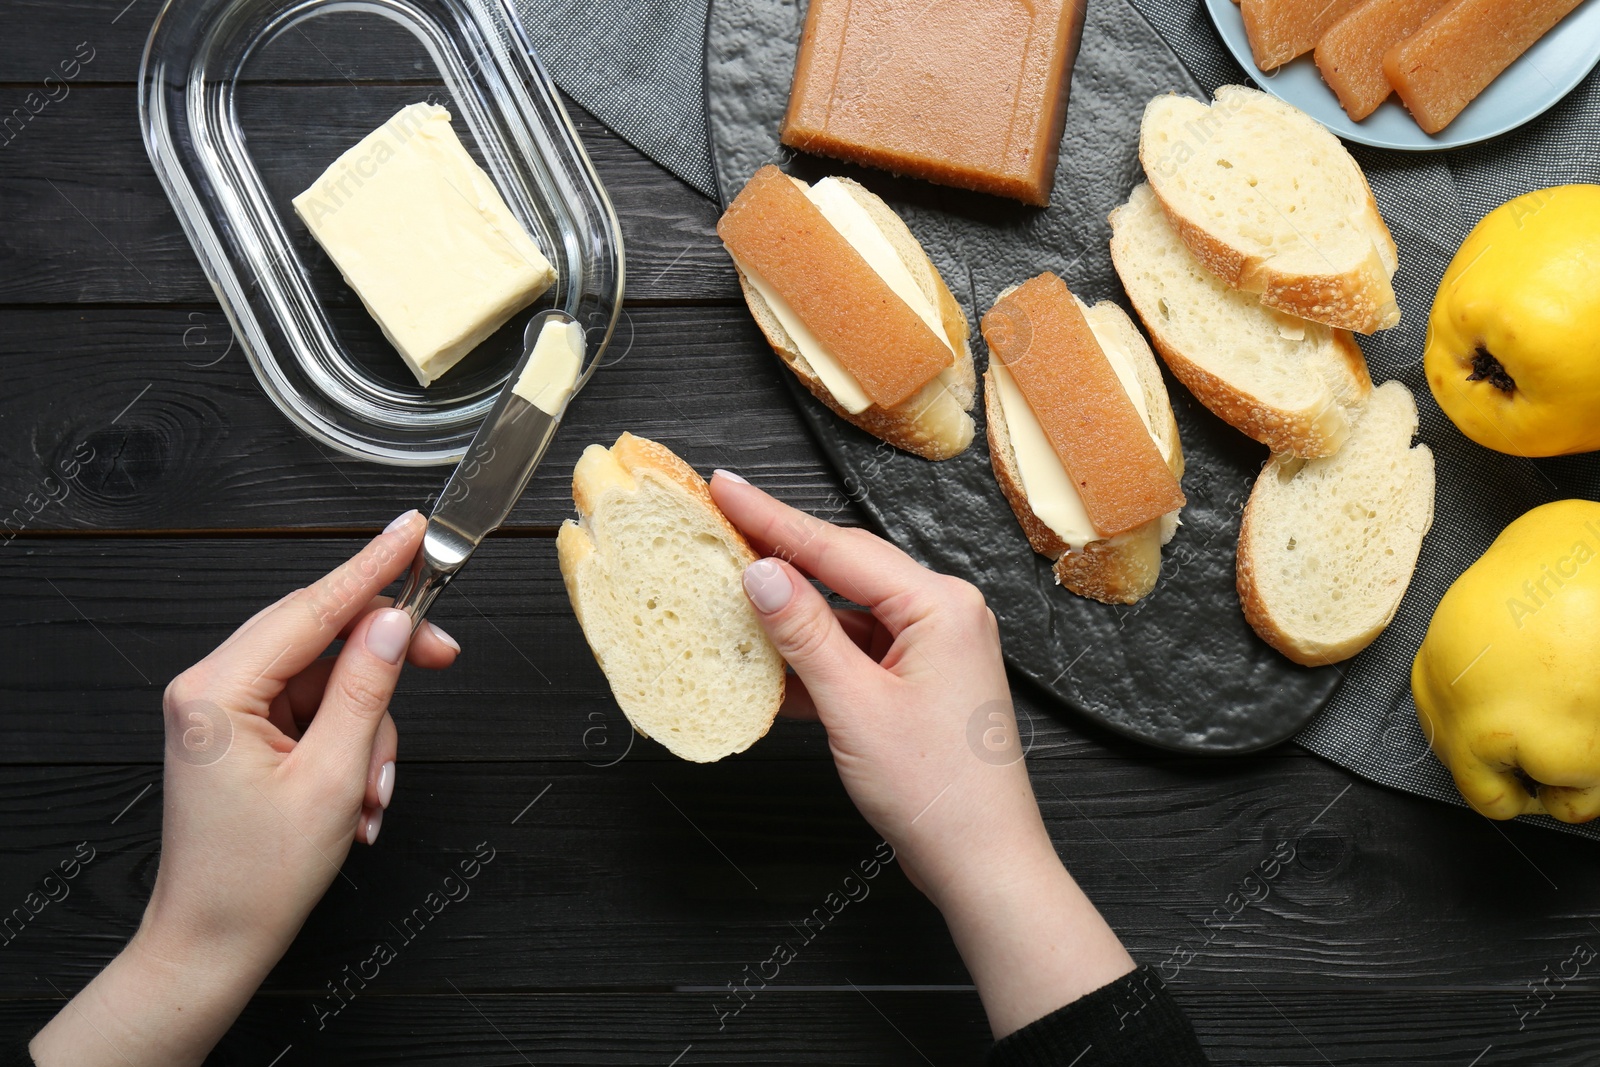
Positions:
(1546, 72)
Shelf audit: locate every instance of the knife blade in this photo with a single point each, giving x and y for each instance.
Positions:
(501, 459)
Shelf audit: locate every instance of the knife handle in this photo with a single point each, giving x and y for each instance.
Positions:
(442, 553)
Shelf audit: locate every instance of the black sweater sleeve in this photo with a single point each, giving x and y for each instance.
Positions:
(1133, 1022)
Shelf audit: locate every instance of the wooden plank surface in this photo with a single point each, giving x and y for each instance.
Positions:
(333, 47)
(1397, 930)
(99, 626)
(880, 1028)
(875, 1028)
(87, 221)
(657, 873)
(172, 430)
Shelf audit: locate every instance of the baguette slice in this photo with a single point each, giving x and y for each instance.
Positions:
(1288, 383)
(1327, 546)
(654, 572)
(1273, 204)
(936, 422)
(1123, 569)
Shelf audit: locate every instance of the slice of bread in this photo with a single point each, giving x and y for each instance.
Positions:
(1272, 203)
(1327, 546)
(1288, 383)
(654, 572)
(936, 422)
(1280, 30)
(1122, 569)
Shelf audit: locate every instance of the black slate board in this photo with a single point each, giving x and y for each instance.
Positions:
(1181, 669)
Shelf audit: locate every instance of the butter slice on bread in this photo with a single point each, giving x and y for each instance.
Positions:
(1328, 546)
(654, 572)
(934, 420)
(1290, 384)
(1119, 569)
(1273, 204)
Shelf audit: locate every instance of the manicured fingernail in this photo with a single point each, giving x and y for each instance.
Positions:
(767, 586)
(732, 477)
(371, 825)
(400, 520)
(389, 634)
(385, 784)
(446, 638)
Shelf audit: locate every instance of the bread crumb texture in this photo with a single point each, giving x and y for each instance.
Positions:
(1332, 542)
(1264, 173)
(662, 606)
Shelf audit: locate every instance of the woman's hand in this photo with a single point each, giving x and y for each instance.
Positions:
(277, 760)
(914, 697)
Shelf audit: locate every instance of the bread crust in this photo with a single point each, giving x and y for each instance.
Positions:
(1361, 299)
(1308, 434)
(1255, 608)
(1355, 362)
(1256, 612)
(1320, 434)
(1304, 651)
(1120, 570)
(924, 425)
(640, 456)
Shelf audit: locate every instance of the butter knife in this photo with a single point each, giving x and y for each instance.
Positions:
(502, 457)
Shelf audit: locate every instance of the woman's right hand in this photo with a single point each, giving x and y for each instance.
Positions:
(913, 692)
(914, 696)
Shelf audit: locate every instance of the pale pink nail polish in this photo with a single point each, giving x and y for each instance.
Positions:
(446, 638)
(388, 634)
(399, 521)
(385, 784)
(732, 477)
(768, 587)
(374, 823)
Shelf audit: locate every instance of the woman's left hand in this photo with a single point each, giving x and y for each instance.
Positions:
(278, 759)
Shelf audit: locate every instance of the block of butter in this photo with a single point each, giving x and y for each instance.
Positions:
(424, 238)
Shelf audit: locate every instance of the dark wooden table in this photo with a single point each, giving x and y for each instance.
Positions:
(1300, 914)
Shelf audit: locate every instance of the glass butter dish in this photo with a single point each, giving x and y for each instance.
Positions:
(244, 103)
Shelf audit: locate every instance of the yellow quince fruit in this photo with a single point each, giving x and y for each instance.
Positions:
(1513, 349)
(1507, 681)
